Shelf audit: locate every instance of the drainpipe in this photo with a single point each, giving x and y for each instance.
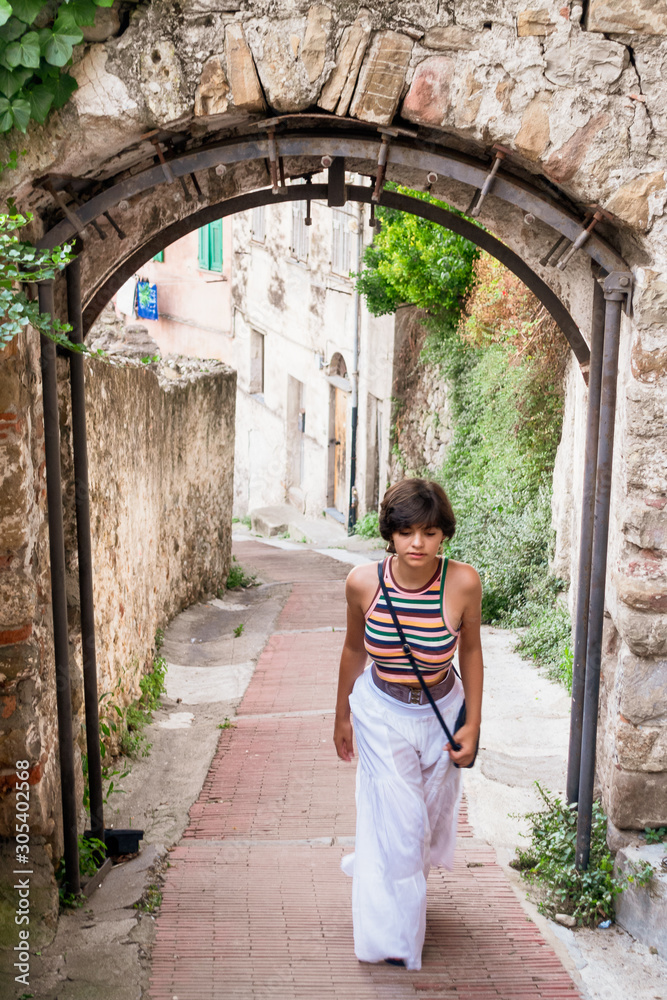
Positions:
(356, 309)
(58, 594)
(617, 287)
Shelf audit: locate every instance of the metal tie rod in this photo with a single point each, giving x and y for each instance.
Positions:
(59, 594)
(586, 543)
(617, 288)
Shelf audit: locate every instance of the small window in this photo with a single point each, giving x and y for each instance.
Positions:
(258, 224)
(256, 362)
(340, 242)
(159, 257)
(210, 246)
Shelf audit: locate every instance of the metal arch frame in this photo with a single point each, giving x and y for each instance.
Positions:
(410, 155)
(356, 193)
(595, 516)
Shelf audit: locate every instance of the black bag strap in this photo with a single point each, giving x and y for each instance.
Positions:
(408, 652)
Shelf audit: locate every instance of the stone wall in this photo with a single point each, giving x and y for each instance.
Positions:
(161, 454)
(421, 422)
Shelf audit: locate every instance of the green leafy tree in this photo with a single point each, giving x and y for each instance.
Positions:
(417, 262)
(36, 43)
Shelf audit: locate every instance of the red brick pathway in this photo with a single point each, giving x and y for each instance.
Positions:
(255, 904)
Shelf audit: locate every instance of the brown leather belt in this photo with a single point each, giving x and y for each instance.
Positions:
(413, 695)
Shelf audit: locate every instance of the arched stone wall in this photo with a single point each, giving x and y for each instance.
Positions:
(581, 109)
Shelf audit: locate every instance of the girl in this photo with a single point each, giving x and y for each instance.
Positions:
(408, 790)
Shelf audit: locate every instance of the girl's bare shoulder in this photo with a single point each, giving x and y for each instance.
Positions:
(361, 583)
(464, 576)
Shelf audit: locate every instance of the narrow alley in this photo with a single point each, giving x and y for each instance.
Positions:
(255, 904)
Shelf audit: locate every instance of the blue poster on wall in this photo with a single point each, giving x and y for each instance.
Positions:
(146, 300)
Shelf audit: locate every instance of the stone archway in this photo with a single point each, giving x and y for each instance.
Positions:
(577, 110)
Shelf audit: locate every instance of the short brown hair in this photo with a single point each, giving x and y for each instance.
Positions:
(415, 501)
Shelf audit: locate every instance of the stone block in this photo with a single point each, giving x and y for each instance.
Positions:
(643, 17)
(640, 579)
(314, 48)
(635, 799)
(382, 77)
(642, 688)
(584, 59)
(631, 202)
(566, 161)
(648, 364)
(642, 910)
(162, 81)
(212, 94)
(649, 299)
(645, 527)
(647, 468)
(646, 417)
(450, 37)
(534, 135)
(429, 98)
(18, 660)
(644, 632)
(534, 22)
(241, 71)
(337, 91)
(107, 25)
(640, 748)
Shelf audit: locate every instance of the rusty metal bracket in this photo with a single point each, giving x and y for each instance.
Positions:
(618, 288)
(555, 251)
(337, 191)
(64, 207)
(478, 200)
(308, 221)
(273, 160)
(598, 215)
(383, 154)
(98, 229)
(166, 169)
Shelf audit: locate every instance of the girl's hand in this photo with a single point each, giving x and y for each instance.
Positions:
(343, 739)
(467, 737)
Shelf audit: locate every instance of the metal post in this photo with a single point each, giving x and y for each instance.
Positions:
(82, 503)
(58, 595)
(353, 508)
(616, 287)
(586, 542)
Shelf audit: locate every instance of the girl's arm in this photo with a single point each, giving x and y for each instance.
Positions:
(472, 668)
(352, 662)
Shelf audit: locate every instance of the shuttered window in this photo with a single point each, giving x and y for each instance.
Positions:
(340, 242)
(210, 246)
(159, 257)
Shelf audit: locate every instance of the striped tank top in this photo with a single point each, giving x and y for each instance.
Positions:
(423, 617)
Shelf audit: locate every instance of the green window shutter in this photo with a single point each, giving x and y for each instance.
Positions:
(210, 246)
(215, 245)
(159, 257)
(203, 248)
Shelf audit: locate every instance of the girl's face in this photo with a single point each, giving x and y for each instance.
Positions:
(417, 544)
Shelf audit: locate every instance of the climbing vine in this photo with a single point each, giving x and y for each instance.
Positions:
(36, 43)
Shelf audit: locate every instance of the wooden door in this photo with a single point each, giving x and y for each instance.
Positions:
(340, 428)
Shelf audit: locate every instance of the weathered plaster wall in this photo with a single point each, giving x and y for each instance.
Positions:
(161, 454)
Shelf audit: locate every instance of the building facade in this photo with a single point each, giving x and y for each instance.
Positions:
(269, 292)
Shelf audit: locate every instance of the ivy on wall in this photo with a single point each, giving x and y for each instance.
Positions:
(36, 43)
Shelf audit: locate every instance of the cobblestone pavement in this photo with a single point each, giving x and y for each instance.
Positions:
(255, 904)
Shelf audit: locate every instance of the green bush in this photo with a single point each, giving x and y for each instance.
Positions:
(548, 864)
(368, 525)
(548, 640)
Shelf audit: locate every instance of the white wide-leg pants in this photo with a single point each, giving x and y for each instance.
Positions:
(408, 794)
